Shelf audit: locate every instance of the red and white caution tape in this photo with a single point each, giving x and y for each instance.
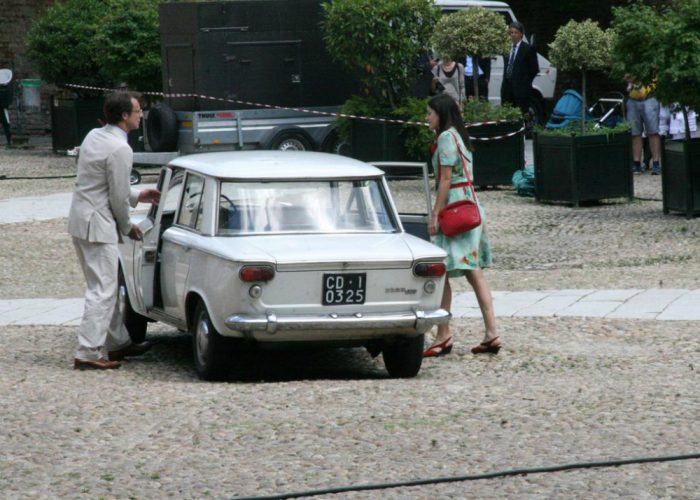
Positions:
(302, 110)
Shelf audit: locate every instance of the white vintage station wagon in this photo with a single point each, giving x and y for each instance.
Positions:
(270, 248)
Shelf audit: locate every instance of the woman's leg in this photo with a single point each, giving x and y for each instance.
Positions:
(446, 304)
(478, 282)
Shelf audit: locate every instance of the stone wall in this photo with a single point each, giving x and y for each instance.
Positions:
(16, 18)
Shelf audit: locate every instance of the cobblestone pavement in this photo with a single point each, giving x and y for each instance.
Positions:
(563, 389)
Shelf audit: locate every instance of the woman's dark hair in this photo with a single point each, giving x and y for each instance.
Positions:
(448, 112)
(117, 103)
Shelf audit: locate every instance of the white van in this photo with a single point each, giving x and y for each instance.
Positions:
(545, 81)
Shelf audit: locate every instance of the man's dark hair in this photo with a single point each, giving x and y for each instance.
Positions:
(518, 26)
(117, 103)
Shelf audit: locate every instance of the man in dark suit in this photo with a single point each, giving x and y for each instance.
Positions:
(519, 69)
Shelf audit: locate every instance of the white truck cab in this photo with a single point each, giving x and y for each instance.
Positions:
(545, 81)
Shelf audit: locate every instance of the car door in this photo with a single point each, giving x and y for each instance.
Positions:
(177, 242)
(147, 258)
(413, 200)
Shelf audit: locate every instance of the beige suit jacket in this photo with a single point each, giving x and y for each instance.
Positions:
(99, 210)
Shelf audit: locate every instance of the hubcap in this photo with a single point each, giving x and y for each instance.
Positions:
(202, 340)
(291, 145)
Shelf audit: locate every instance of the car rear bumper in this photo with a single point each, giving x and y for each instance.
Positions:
(358, 325)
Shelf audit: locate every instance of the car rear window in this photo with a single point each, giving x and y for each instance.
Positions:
(333, 206)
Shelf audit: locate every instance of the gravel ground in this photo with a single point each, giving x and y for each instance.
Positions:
(563, 390)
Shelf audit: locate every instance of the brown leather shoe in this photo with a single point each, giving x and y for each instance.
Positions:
(95, 364)
(128, 351)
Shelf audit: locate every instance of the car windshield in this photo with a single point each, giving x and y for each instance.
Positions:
(328, 206)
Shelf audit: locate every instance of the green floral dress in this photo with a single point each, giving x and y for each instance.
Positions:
(470, 250)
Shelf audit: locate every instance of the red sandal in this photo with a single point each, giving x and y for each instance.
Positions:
(440, 349)
(487, 347)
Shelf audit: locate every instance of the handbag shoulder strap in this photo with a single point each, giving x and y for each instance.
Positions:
(465, 170)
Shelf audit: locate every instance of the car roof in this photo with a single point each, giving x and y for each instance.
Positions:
(263, 164)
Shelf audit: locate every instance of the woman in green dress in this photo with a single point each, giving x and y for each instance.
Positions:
(467, 253)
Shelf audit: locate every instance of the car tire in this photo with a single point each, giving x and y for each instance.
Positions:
(335, 145)
(135, 177)
(291, 141)
(161, 128)
(135, 324)
(209, 348)
(403, 357)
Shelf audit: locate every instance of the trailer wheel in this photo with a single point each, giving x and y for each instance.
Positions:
(161, 128)
(335, 145)
(291, 141)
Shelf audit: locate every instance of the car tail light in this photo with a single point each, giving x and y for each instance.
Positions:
(256, 273)
(429, 269)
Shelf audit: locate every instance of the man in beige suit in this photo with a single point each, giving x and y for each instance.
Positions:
(99, 216)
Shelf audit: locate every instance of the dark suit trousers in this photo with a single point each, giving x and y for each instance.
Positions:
(508, 95)
(483, 87)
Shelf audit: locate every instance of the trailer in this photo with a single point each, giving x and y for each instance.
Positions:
(244, 74)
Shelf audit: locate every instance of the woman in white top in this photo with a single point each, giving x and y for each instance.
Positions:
(450, 75)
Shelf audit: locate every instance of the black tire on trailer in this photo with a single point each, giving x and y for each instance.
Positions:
(161, 128)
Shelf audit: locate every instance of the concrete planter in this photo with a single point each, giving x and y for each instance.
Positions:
(496, 161)
(375, 141)
(680, 177)
(574, 169)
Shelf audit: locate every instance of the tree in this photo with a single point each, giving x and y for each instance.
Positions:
(661, 46)
(582, 46)
(380, 41)
(476, 32)
(98, 42)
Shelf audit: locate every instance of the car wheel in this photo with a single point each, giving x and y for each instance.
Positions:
(135, 323)
(290, 141)
(135, 177)
(335, 145)
(403, 357)
(208, 346)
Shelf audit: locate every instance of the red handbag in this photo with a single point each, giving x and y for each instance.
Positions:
(460, 216)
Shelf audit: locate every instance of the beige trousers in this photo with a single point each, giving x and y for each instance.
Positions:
(101, 329)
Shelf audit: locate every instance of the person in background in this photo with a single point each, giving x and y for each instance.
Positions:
(520, 67)
(643, 116)
(467, 253)
(98, 217)
(483, 66)
(450, 75)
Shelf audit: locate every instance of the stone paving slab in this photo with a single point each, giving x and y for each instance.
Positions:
(46, 207)
(652, 304)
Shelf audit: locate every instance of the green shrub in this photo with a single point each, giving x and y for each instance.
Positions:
(582, 46)
(588, 129)
(98, 42)
(380, 41)
(483, 111)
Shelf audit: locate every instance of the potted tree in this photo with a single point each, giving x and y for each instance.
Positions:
(94, 43)
(478, 33)
(379, 41)
(582, 163)
(663, 46)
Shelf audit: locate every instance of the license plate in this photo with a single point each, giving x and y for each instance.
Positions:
(344, 288)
